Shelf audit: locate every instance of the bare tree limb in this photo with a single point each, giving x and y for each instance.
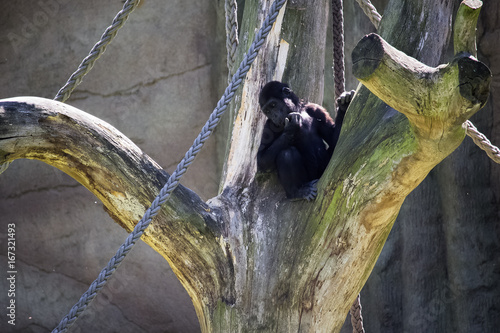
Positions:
(419, 91)
(126, 180)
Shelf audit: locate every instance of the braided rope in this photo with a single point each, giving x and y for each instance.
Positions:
(231, 10)
(482, 142)
(370, 11)
(339, 78)
(173, 181)
(338, 47)
(98, 49)
(356, 317)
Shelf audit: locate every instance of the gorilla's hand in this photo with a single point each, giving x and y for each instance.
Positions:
(293, 122)
(344, 100)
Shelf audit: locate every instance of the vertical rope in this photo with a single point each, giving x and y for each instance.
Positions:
(231, 10)
(338, 47)
(339, 78)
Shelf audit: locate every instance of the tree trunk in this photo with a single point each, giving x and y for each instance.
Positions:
(250, 259)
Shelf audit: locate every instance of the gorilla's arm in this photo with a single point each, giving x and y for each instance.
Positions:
(343, 103)
(324, 123)
(272, 144)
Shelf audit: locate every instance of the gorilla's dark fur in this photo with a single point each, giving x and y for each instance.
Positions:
(293, 141)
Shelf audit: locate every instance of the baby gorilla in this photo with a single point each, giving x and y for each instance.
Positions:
(293, 141)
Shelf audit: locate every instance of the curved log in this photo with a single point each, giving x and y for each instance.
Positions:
(449, 93)
(126, 180)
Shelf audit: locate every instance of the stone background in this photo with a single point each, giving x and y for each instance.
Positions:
(157, 83)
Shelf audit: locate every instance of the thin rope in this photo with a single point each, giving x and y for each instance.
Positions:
(98, 49)
(338, 47)
(370, 11)
(339, 79)
(173, 181)
(87, 63)
(482, 142)
(231, 10)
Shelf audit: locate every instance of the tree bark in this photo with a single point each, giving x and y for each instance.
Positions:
(250, 259)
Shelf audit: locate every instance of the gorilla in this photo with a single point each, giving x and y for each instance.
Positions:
(298, 138)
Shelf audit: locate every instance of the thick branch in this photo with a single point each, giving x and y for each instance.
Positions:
(449, 94)
(124, 178)
(436, 101)
(464, 30)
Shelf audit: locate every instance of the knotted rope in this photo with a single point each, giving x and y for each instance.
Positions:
(98, 49)
(173, 181)
(231, 10)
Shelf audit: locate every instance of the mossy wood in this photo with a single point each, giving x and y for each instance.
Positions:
(251, 260)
